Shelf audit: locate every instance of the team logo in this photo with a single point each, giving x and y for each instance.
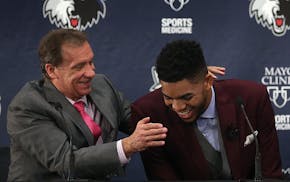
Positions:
(273, 14)
(155, 78)
(176, 6)
(286, 171)
(74, 14)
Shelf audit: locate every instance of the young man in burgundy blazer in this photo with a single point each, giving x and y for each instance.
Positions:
(204, 118)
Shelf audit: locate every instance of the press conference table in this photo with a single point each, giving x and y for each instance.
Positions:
(4, 162)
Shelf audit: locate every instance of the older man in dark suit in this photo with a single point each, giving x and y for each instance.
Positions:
(208, 135)
(65, 126)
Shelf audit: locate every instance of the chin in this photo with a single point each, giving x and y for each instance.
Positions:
(86, 91)
(189, 120)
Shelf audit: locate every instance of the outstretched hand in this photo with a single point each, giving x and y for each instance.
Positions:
(146, 135)
(214, 70)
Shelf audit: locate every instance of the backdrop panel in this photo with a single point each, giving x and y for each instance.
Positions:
(129, 34)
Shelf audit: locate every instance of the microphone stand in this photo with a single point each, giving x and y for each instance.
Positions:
(258, 173)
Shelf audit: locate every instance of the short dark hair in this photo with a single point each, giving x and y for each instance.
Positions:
(50, 45)
(181, 59)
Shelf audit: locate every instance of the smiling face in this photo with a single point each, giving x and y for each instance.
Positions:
(74, 75)
(187, 98)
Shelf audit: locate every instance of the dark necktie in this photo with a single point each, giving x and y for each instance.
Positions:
(93, 126)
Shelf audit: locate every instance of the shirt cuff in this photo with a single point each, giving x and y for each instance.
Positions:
(122, 157)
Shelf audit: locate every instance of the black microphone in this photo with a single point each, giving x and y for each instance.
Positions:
(258, 170)
(70, 174)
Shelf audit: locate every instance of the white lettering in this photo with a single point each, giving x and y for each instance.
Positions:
(189, 22)
(269, 71)
(276, 80)
(282, 122)
(279, 71)
(176, 22)
(176, 30)
(176, 25)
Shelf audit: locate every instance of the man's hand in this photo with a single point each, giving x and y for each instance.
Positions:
(145, 135)
(213, 70)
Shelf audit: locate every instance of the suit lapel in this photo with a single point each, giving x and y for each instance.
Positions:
(108, 120)
(185, 143)
(226, 110)
(70, 114)
(194, 152)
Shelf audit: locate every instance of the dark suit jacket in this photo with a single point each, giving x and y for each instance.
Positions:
(181, 158)
(40, 121)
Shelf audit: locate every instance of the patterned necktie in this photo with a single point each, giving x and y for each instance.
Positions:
(94, 127)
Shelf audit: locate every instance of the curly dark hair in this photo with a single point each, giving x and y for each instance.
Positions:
(181, 59)
(50, 45)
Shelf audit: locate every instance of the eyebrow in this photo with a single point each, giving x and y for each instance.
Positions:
(79, 64)
(179, 97)
(82, 64)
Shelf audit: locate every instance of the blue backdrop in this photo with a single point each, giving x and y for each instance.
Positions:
(249, 38)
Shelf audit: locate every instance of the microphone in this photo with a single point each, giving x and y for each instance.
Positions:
(258, 170)
(70, 172)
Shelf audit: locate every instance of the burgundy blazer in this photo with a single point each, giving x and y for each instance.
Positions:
(182, 159)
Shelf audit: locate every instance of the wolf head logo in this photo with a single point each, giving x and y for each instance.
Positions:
(74, 14)
(273, 14)
(176, 6)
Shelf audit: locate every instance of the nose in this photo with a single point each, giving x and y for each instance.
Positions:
(178, 105)
(90, 70)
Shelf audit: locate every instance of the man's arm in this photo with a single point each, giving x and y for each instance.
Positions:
(33, 128)
(146, 134)
(156, 163)
(268, 140)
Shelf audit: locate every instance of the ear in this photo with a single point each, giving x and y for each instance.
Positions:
(208, 81)
(51, 71)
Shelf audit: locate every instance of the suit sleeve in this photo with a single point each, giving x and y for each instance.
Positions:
(33, 129)
(155, 160)
(268, 140)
